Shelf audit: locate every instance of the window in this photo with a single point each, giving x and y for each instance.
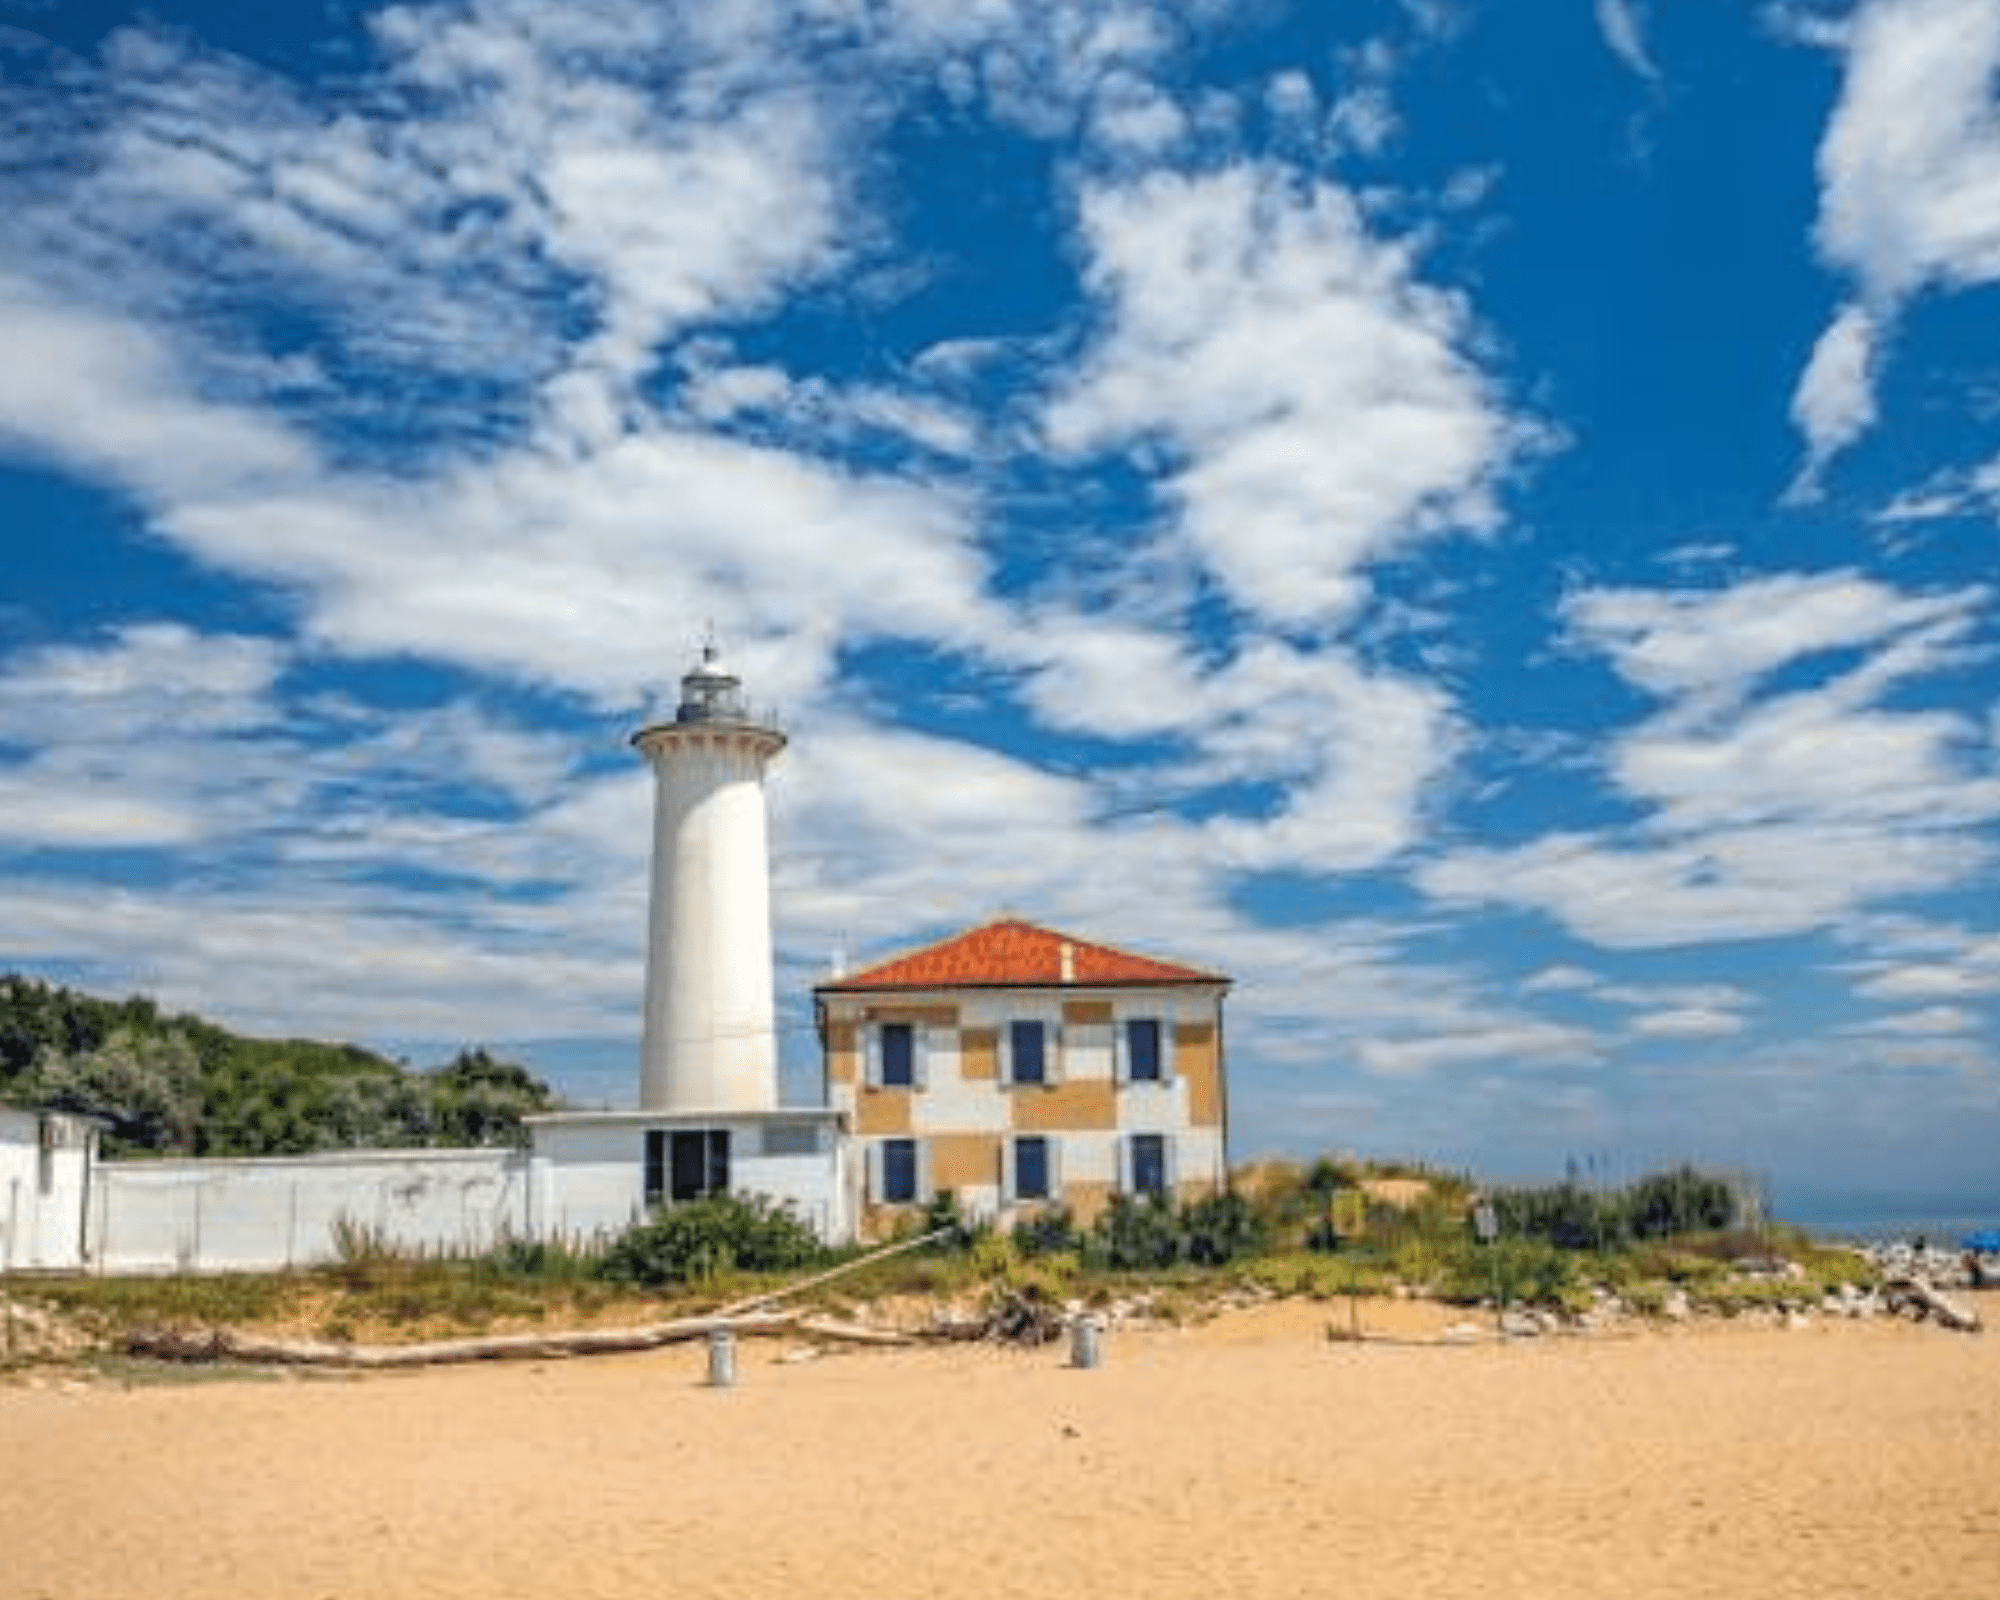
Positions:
(897, 1184)
(686, 1163)
(1034, 1176)
(1149, 1163)
(1142, 1050)
(791, 1139)
(1027, 1052)
(899, 1055)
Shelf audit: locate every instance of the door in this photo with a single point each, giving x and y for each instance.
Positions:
(700, 1161)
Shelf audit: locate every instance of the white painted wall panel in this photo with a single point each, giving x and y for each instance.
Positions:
(264, 1215)
(1153, 1107)
(42, 1192)
(1086, 1052)
(1199, 1156)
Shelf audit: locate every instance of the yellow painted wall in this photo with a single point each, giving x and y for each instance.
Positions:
(1086, 1201)
(1080, 1011)
(979, 1054)
(1195, 1059)
(843, 1053)
(964, 1160)
(1056, 1108)
(882, 1113)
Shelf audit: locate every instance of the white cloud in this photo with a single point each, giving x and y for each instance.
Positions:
(1909, 189)
(1834, 404)
(1731, 884)
(1316, 395)
(1623, 26)
(1561, 980)
(1930, 1020)
(1750, 820)
(1687, 1022)
(1521, 1046)
(1677, 996)
(1930, 981)
(1910, 166)
(100, 393)
(1364, 118)
(159, 737)
(1358, 752)
(1718, 643)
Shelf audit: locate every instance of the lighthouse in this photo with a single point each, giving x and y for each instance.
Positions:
(709, 1044)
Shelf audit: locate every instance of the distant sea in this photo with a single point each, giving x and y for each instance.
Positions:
(1864, 1226)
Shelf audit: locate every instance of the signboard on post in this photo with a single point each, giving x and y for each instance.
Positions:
(1485, 1225)
(1350, 1213)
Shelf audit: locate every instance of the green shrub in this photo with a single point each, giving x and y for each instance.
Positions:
(992, 1256)
(1051, 1231)
(1682, 1201)
(700, 1240)
(515, 1256)
(1521, 1271)
(1134, 1235)
(1220, 1228)
(364, 1254)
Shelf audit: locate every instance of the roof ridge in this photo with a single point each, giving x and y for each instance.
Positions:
(957, 959)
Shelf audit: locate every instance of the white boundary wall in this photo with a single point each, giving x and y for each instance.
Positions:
(267, 1214)
(585, 1178)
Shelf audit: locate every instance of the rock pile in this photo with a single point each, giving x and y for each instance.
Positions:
(1942, 1269)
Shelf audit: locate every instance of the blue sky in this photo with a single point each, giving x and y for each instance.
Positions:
(1479, 521)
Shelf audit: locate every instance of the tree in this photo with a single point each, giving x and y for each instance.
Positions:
(147, 1087)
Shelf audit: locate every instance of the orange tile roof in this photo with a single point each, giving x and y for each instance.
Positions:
(1010, 953)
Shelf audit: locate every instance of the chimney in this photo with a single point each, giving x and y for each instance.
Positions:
(1068, 962)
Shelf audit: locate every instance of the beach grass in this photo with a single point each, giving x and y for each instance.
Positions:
(1272, 1237)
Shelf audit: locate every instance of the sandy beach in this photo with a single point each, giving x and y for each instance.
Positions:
(1249, 1456)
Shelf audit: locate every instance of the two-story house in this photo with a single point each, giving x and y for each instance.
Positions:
(1016, 1066)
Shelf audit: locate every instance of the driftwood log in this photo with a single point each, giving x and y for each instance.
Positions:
(224, 1344)
(1941, 1308)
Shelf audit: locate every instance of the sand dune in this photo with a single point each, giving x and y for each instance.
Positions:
(1248, 1457)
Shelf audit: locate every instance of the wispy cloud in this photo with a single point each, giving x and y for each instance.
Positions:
(1909, 192)
(1751, 821)
(1320, 399)
(1623, 25)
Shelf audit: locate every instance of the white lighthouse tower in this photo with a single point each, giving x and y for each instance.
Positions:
(709, 1042)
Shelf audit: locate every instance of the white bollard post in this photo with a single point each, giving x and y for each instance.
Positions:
(1084, 1349)
(721, 1359)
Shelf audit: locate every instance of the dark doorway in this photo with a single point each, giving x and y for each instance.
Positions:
(686, 1163)
(700, 1163)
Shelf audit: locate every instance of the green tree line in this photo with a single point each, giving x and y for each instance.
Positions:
(183, 1086)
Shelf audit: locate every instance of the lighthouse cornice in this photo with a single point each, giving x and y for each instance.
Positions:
(750, 738)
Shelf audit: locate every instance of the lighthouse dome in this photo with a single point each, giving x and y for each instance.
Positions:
(710, 692)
